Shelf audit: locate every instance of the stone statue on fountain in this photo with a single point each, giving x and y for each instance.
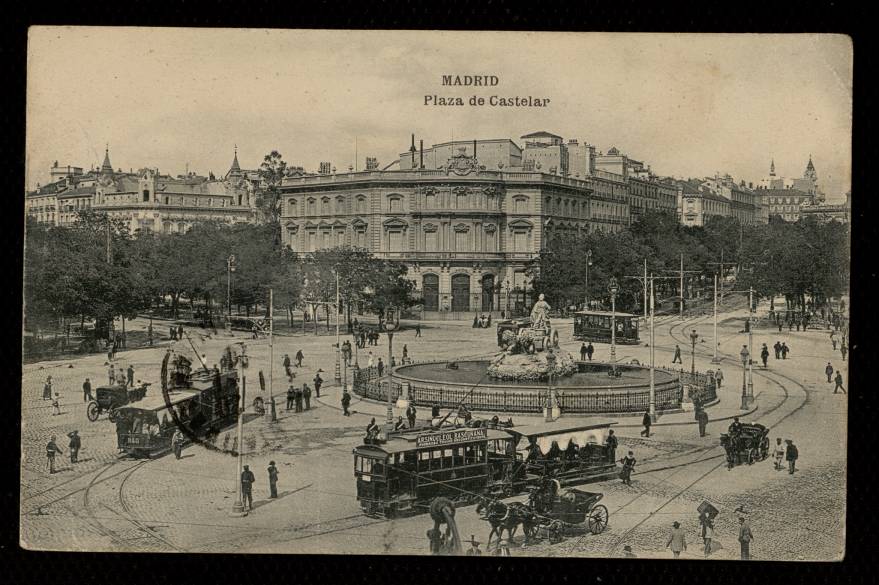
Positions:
(540, 314)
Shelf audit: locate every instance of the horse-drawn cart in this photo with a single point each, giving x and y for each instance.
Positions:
(568, 512)
(109, 398)
(748, 445)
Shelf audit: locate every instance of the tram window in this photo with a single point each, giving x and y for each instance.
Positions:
(378, 467)
(470, 454)
(457, 457)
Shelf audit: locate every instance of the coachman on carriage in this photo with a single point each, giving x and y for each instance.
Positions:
(745, 443)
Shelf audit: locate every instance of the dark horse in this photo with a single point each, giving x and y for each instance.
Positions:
(507, 517)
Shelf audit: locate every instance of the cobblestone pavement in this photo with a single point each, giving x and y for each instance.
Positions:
(108, 502)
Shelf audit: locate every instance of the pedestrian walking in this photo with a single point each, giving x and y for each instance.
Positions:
(172, 333)
(299, 357)
(247, 480)
(150, 334)
(778, 452)
(784, 350)
(291, 396)
(833, 339)
(180, 332)
(381, 368)
(677, 540)
(589, 351)
(273, 480)
(702, 420)
(779, 325)
(177, 443)
(677, 358)
(47, 388)
(843, 349)
(287, 365)
(583, 352)
(707, 532)
(370, 362)
(51, 450)
(791, 454)
(405, 353)
(418, 330)
(130, 372)
(306, 395)
(411, 415)
(262, 382)
(318, 382)
(764, 354)
(777, 348)
(646, 421)
(838, 381)
(297, 397)
(74, 445)
(628, 466)
(87, 391)
(718, 378)
(111, 374)
(346, 402)
(745, 538)
(56, 405)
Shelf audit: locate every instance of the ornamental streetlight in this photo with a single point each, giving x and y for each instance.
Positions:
(337, 377)
(390, 325)
(241, 367)
(588, 264)
(613, 288)
(693, 337)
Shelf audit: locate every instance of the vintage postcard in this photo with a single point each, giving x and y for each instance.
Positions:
(436, 293)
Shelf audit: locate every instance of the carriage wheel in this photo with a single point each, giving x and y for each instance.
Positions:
(92, 411)
(598, 518)
(752, 456)
(258, 405)
(113, 415)
(531, 530)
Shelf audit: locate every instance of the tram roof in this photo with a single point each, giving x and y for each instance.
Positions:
(606, 314)
(559, 427)
(408, 441)
(158, 402)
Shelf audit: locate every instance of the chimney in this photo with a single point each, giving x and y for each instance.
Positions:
(412, 151)
(474, 148)
(421, 155)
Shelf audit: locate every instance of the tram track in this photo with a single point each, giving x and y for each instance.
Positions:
(769, 376)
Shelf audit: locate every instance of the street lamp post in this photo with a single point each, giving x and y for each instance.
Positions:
(588, 264)
(715, 359)
(693, 337)
(390, 326)
(745, 360)
(272, 355)
(613, 288)
(750, 345)
(238, 508)
(507, 286)
(652, 356)
(230, 268)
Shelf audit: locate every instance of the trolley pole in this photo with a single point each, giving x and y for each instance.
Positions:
(613, 289)
(715, 359)
(652, 355)
(750, 346)
(682, 286)
(238, 508)
(588, 262)
(338, 376)
(272, 354)
(645, 290)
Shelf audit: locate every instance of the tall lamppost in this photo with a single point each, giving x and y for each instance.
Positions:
(390, 326)
(230, 268)
(750, 395)
(507, 286)
(745, 360)
(238, 507)
(693, 337)
(588, 264)
(652, 355)
(613, 289)
(338, 376)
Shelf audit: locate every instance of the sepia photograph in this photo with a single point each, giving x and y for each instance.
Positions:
(498, 294)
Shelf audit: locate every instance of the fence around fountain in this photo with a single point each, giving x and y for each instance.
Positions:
(700, 387)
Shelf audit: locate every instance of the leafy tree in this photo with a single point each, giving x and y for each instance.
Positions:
(268, 198)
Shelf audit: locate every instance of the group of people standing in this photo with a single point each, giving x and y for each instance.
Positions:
(52, 449)
(677, 538)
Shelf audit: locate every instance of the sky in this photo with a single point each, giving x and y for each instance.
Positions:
(688, 105)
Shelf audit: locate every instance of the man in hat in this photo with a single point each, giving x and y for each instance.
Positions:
(718, 378)
(764, 354)
(306, 395)
(318, 382)
(299, 357)
(410, 415)
(677, 358)
(646, 421)
(75, 445)
(177, 443)
(582, 352)
(474, 547)
(735, 427)
(838, 381)
(87, 390)
(287, 366)
(273, 480)
(590, 349)
(297, 397)
(779, 454)
(829, 371)
(47, 389)
(791, 454)
(247, 480)
(677, 540)
(612, 444)
(130, 372)
(346, 402)
(745, 538)
(51, 449)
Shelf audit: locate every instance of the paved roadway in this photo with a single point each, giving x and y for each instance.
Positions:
(108, 502)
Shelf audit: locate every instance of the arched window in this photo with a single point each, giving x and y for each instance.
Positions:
(395, 204)
(311, 203)
(325, 206)
(430, 292)
(291, 207)
(340, 204)
(361, 204)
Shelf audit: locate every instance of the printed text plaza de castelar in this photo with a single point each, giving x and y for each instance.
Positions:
(502, 101)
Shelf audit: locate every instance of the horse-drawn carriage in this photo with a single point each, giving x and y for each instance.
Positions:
(109, 398)
(748, 443)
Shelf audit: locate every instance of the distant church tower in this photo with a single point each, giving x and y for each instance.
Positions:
(810, 171)
(106, 167)
(772, 168)
(235, 169)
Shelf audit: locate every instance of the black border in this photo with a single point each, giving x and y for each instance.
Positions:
(623, 15)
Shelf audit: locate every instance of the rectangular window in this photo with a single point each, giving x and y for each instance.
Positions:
(396, 205)
(146, 195)
(430, 243)
(395, 241)
(462, 241)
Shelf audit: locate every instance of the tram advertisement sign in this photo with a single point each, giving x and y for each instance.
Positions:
(447, 438)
